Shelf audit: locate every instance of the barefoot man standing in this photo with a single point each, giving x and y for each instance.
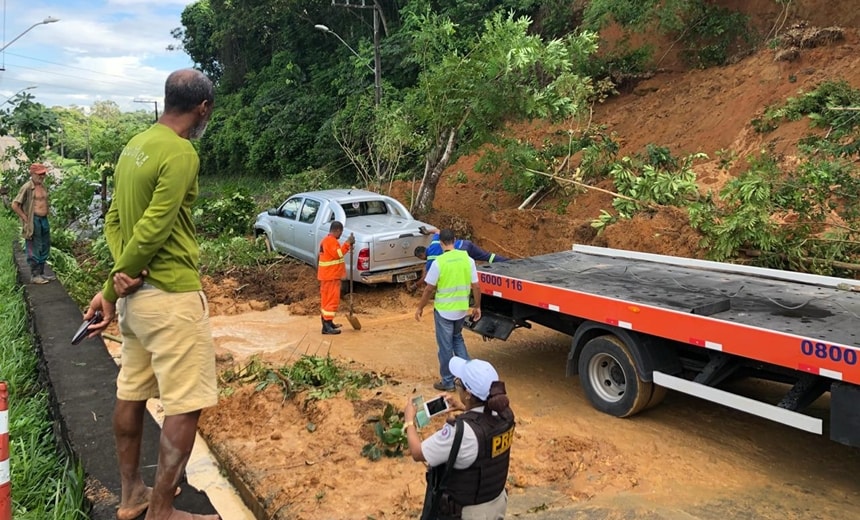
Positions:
(155, 288)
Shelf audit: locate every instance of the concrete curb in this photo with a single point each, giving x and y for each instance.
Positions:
(81, 381)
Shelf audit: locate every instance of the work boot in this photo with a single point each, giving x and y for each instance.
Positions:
(48, 277)
(336, 325)
(329, 328)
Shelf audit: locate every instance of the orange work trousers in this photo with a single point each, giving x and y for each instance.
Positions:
(329, 298)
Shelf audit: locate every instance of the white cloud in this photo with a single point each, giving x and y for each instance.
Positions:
(99, 50)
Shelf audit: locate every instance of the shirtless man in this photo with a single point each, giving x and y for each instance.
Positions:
(31, 205)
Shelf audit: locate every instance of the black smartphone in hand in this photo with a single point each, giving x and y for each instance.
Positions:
(83, 330)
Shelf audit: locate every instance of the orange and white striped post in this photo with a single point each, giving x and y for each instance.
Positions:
(5, 475)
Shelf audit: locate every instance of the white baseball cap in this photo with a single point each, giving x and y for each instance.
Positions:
(477, 375)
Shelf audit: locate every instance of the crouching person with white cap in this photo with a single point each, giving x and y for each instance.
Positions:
(468, 458)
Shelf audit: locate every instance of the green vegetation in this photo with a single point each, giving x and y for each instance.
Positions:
(524, 166)
(46, 484)
(389, 436)
(320, 377)
(709, 35)
(454, 73)
(649, 180)
(804, 217)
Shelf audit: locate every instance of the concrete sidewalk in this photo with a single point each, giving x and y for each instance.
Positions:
(82, 384)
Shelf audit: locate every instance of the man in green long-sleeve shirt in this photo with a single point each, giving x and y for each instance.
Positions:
(154, 287)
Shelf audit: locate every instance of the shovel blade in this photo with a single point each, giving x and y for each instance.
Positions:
(353, 321)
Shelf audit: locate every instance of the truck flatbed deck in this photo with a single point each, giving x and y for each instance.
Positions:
(801, 322)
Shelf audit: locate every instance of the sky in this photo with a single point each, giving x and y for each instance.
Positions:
(99, 50)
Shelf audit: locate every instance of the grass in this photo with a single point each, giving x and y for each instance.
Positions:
(46, 484)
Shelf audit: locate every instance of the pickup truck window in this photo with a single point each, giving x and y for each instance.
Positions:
(309, 211)
(291, 208)
(367, 207)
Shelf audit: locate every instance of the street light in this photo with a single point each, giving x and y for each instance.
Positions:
(377, 73)
(49, 19)
(16, 94)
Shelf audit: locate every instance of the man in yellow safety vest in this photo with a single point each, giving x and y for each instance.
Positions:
(450, 279)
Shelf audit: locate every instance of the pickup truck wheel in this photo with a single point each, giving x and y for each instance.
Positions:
(609, 379)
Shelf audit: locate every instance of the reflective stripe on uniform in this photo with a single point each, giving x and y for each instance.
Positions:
(331, 262)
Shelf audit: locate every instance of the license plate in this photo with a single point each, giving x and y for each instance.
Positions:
(407, 277)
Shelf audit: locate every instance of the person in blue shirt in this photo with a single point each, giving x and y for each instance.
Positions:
(432, 251)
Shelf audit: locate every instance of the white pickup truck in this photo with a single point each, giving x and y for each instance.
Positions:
(386, 234)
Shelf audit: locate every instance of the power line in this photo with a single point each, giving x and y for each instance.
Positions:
(73, 67)
(40, 71)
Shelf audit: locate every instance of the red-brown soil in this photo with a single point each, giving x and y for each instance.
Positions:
(684, 459)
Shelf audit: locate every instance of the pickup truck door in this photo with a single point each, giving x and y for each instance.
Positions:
(307, 245)
(284, 227)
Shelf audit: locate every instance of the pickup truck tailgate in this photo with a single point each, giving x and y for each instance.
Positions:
(397, 248)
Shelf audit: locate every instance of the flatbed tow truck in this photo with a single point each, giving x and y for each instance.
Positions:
(644, 323)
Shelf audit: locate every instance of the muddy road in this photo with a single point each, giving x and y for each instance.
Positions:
(685, 459)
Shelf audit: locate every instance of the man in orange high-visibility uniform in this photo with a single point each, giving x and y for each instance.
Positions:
(330, 272)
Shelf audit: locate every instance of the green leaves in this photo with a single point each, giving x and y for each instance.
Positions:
(28, 121)
(390, 438)
(467, 89)
(655, 179)
(320, 377)
(801, 216)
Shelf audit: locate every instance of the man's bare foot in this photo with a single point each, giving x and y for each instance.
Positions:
(138, 505)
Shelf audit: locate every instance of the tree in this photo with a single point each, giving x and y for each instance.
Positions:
(376, 140)
(196, 38)
(73, 122)
(464, 94)
(30, 122)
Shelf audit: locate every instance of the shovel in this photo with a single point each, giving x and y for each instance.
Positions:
(353, 320)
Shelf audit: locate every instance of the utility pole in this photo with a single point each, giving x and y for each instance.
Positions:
(88, 140)
(154, 102)
(377, 61)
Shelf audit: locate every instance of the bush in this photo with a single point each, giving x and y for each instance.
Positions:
(229, 213)
(219, 254)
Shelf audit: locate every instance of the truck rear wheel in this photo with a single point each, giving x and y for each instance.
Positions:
(609, 377)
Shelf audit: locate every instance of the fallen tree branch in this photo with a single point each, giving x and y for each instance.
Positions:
(530, 198)
(595, 188)
(499, 246)
(753, 253)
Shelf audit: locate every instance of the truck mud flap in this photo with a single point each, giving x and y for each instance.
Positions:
(492, 325)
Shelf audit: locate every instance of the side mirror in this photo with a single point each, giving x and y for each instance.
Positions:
(272, 211)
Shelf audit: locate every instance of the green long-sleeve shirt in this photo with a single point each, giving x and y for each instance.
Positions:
(148, 225)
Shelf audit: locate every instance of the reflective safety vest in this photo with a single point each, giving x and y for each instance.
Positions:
(485, 479)
(331, 263)
(455, 281)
